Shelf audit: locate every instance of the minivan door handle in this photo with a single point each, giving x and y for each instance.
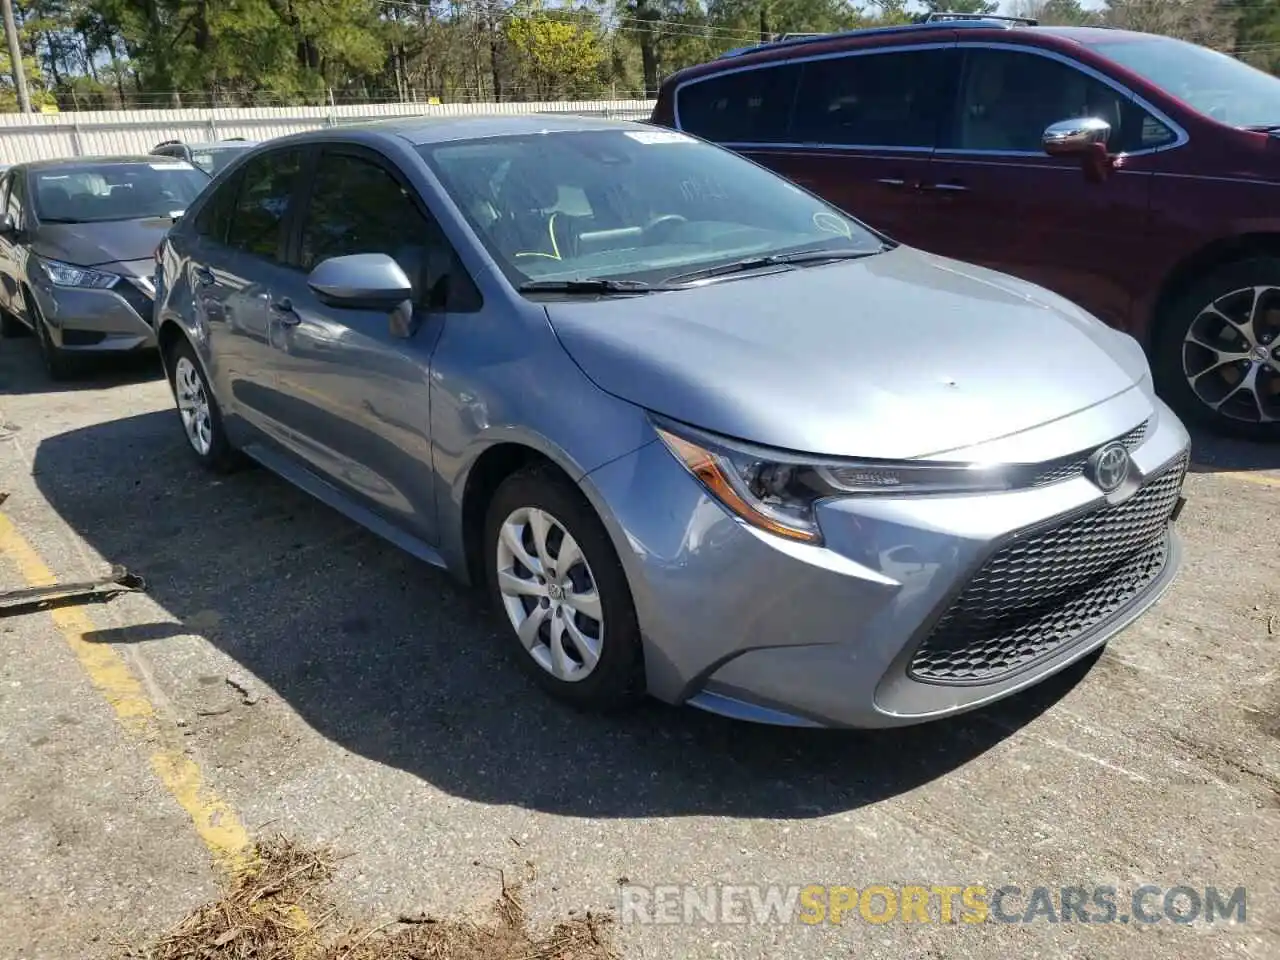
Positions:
(283, 309)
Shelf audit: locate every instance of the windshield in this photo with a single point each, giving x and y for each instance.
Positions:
(1213, 83)
(629, 205)
(213, 159)
(115, 191)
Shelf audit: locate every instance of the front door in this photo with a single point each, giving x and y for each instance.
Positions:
(355, 394)
(995, 198)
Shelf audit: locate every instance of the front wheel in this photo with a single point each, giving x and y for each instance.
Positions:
(58, 363)
(1217, 355)
(554, 574)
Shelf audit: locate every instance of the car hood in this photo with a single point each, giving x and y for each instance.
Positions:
(896, 356)
(93, 244)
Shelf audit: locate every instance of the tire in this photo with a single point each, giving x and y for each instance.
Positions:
(205, 435)
(58, 363)
(616, 679)
(1230, 290)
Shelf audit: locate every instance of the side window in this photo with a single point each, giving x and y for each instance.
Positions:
(875, 99)
(5, 180)
(15, 199)
(215, 215)
(1009, 98)
(748, 106)
(262, 203)
(358, 206)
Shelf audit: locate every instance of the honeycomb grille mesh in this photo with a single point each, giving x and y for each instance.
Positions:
(1046, 588)
(1070, 467)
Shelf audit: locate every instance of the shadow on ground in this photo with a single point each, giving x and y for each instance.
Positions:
(390, 659)
(22, 371)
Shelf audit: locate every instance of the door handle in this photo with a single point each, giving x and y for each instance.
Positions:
(891, 182)
(205, 276)
(947, 187)
(284, 310)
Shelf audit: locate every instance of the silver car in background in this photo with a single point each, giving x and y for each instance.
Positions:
(700, 433)
(77, 247)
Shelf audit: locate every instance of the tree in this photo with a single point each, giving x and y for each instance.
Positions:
(558, 51)
(961, 6)
(1205, 22)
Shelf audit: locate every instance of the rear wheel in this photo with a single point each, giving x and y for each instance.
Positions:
(198, 410)
(1217, 357)
(554, 574)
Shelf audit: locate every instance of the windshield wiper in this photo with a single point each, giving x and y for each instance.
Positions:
(589, 285)
(59, 220)
(1263, 127)
(773, 260)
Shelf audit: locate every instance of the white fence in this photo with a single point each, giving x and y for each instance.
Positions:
(114, 132)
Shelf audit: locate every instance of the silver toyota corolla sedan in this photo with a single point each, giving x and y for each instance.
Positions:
(700, 433)
(77, 244)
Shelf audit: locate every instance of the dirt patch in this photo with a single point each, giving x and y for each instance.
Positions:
(278, 910)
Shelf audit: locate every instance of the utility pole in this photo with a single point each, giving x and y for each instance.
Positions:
(15, 56)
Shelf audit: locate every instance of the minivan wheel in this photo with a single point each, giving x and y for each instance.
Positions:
(198, 410)
(555, 576)
(1217, 357)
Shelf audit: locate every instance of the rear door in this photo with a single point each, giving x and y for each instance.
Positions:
(995, 198)
(857, 128)
(238, 265)
(354, 396)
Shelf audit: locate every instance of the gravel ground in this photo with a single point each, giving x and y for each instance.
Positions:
(370, 707)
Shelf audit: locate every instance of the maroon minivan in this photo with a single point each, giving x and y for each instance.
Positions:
(1136, 175)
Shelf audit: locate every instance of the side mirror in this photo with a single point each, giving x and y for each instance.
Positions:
(1075, 137)
(366, 281)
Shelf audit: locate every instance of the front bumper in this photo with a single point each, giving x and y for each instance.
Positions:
(94, 321)
(898, 617)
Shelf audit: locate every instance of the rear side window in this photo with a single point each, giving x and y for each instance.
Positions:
(881, 100)
(262, 203)
(214, 218)
(358, 206)
(748, 106)
(1008, 98)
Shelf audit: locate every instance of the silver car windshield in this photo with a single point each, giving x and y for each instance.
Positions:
(637, 204)
(92, 193)
(1212, 83)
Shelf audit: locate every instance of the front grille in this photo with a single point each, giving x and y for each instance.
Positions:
(1046, 588)
(135, 297)
(1067, 468)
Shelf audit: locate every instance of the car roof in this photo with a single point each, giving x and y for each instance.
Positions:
(422, 130)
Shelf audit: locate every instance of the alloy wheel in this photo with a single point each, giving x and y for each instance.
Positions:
(193, 405)
(1231, 355)
(549, 594)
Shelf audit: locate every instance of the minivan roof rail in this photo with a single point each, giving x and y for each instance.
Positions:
(940, 16)
(960, 22)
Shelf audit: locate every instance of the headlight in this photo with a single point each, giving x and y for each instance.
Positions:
(777, 492)
(69, 275)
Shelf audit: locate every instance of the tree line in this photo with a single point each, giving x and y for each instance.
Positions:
(113, 54)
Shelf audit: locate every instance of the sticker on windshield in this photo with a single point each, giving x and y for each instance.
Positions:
(658, 136)
(172, 165)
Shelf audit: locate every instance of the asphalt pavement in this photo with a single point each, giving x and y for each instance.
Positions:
(286, 672)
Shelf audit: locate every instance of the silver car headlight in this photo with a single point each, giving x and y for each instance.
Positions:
(69, 275)
(777, 492)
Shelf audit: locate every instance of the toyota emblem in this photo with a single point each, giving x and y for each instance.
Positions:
(1109, 466)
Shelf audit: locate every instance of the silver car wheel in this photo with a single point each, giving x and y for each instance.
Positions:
(193, 405)
(1231, 354)
(549, 594)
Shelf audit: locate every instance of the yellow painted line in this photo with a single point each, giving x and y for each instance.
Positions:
(214, 819)
(1245, 475)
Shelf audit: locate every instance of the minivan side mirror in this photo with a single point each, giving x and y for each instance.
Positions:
(363, 281)
(1083, 137)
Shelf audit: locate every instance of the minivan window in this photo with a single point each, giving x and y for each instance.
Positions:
(1213, 83)
(888, 99)
(266, 190)
(746, 106)
(641, 204)
(1009, 97)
